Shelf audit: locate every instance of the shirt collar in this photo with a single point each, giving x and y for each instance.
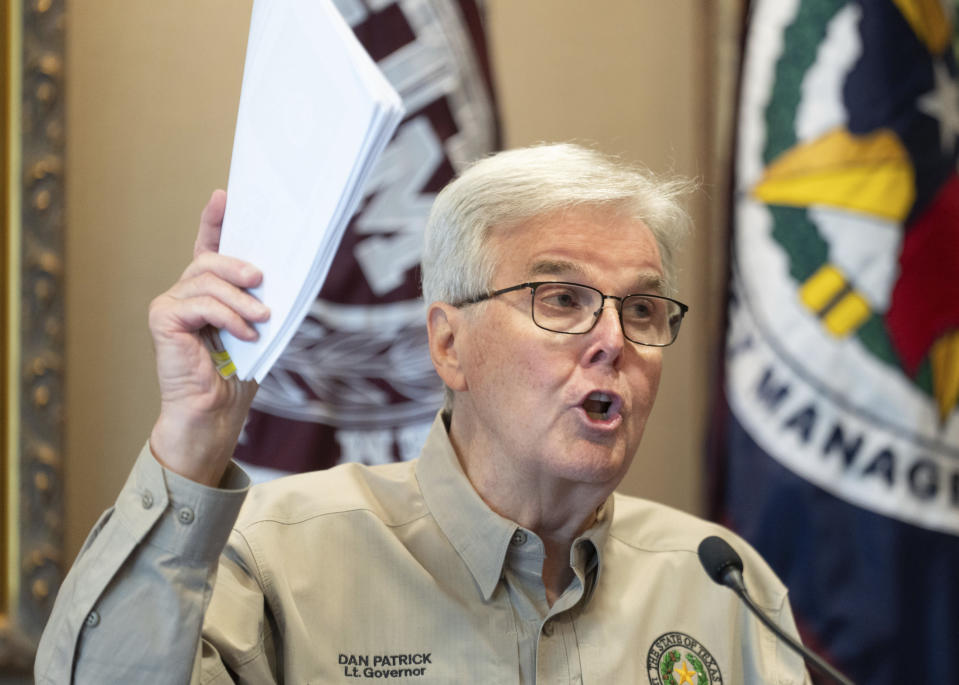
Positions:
(587, 551)
(479, 535)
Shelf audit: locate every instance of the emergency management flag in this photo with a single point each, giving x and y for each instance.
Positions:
(839, 432)
(356, 383)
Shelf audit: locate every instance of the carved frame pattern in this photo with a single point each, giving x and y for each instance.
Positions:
(33, 373)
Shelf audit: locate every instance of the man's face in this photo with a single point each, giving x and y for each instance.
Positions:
(532, 394)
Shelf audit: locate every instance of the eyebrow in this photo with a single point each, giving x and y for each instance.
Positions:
(645, 282)
(553, 267)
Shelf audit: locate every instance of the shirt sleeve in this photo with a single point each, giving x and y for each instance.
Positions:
(239, 626)
(770, 659)
(131, 608)
(787, 622)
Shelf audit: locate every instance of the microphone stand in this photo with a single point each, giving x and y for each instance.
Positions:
(733, 579)
(725, 567)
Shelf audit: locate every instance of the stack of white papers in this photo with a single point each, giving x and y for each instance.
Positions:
(315, 113)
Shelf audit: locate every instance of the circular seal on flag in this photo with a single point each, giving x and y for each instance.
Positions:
(675, 658)
(843, 341)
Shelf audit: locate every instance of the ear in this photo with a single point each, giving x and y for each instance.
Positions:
(443, 323)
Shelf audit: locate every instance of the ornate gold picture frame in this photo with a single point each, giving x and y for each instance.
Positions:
(32, 312)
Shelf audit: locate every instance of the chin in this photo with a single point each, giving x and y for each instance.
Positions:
(600, 466)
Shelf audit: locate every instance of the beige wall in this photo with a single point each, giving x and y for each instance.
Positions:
(152, 93)
(152, 97)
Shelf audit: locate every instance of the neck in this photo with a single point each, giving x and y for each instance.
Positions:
(557, 571)
(556, 509)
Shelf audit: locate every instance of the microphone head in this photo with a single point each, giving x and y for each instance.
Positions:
(718, 558)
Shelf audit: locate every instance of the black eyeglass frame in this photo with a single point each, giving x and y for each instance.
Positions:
(533, 285)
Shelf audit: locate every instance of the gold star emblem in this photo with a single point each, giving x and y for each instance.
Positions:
(685, 675)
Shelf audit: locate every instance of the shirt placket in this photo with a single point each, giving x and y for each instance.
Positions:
(546, 636)
(557, 650)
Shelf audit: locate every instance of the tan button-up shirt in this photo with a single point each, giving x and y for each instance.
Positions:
(395, 574)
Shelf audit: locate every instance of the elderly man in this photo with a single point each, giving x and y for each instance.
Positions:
(501, 555)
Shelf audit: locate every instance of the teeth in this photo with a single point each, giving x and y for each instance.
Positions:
(597, 405)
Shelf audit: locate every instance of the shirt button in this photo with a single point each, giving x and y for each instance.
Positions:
(147, 499)
(519, 538)
(93, 619)
(548, 628)
(185, 515)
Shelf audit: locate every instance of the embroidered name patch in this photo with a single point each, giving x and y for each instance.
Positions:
(676, 658)
(385, 665)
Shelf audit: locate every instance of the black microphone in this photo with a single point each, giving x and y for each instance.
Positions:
(724, 566)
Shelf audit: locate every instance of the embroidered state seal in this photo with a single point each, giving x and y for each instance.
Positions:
(676, 658)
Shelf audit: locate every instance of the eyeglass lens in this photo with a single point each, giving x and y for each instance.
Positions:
(568, 308)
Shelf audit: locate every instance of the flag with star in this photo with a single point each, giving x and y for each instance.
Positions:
(837, 434)
(356, 383)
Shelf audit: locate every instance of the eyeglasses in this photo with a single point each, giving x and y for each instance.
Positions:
(574, 309)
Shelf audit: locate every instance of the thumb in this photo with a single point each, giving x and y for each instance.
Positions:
(211, 223)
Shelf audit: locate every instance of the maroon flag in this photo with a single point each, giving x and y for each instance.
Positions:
(356, 383)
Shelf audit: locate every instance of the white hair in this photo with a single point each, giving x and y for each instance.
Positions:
(512, 187)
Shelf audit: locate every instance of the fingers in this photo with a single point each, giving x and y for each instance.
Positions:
(212, 292)
(208, 299)
(211, 223)
(239, 273)
(212, 275)
(171, 315)
(208, 285)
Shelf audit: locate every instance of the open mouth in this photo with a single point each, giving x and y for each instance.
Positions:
(601, 406)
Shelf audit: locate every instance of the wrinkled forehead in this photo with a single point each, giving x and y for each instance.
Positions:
(579, 244)
(645, 280)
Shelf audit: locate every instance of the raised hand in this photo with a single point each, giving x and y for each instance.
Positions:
(201, 413)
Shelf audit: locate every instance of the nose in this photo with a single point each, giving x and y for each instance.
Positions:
(602, 306)
(607, 335)
(609, 302)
